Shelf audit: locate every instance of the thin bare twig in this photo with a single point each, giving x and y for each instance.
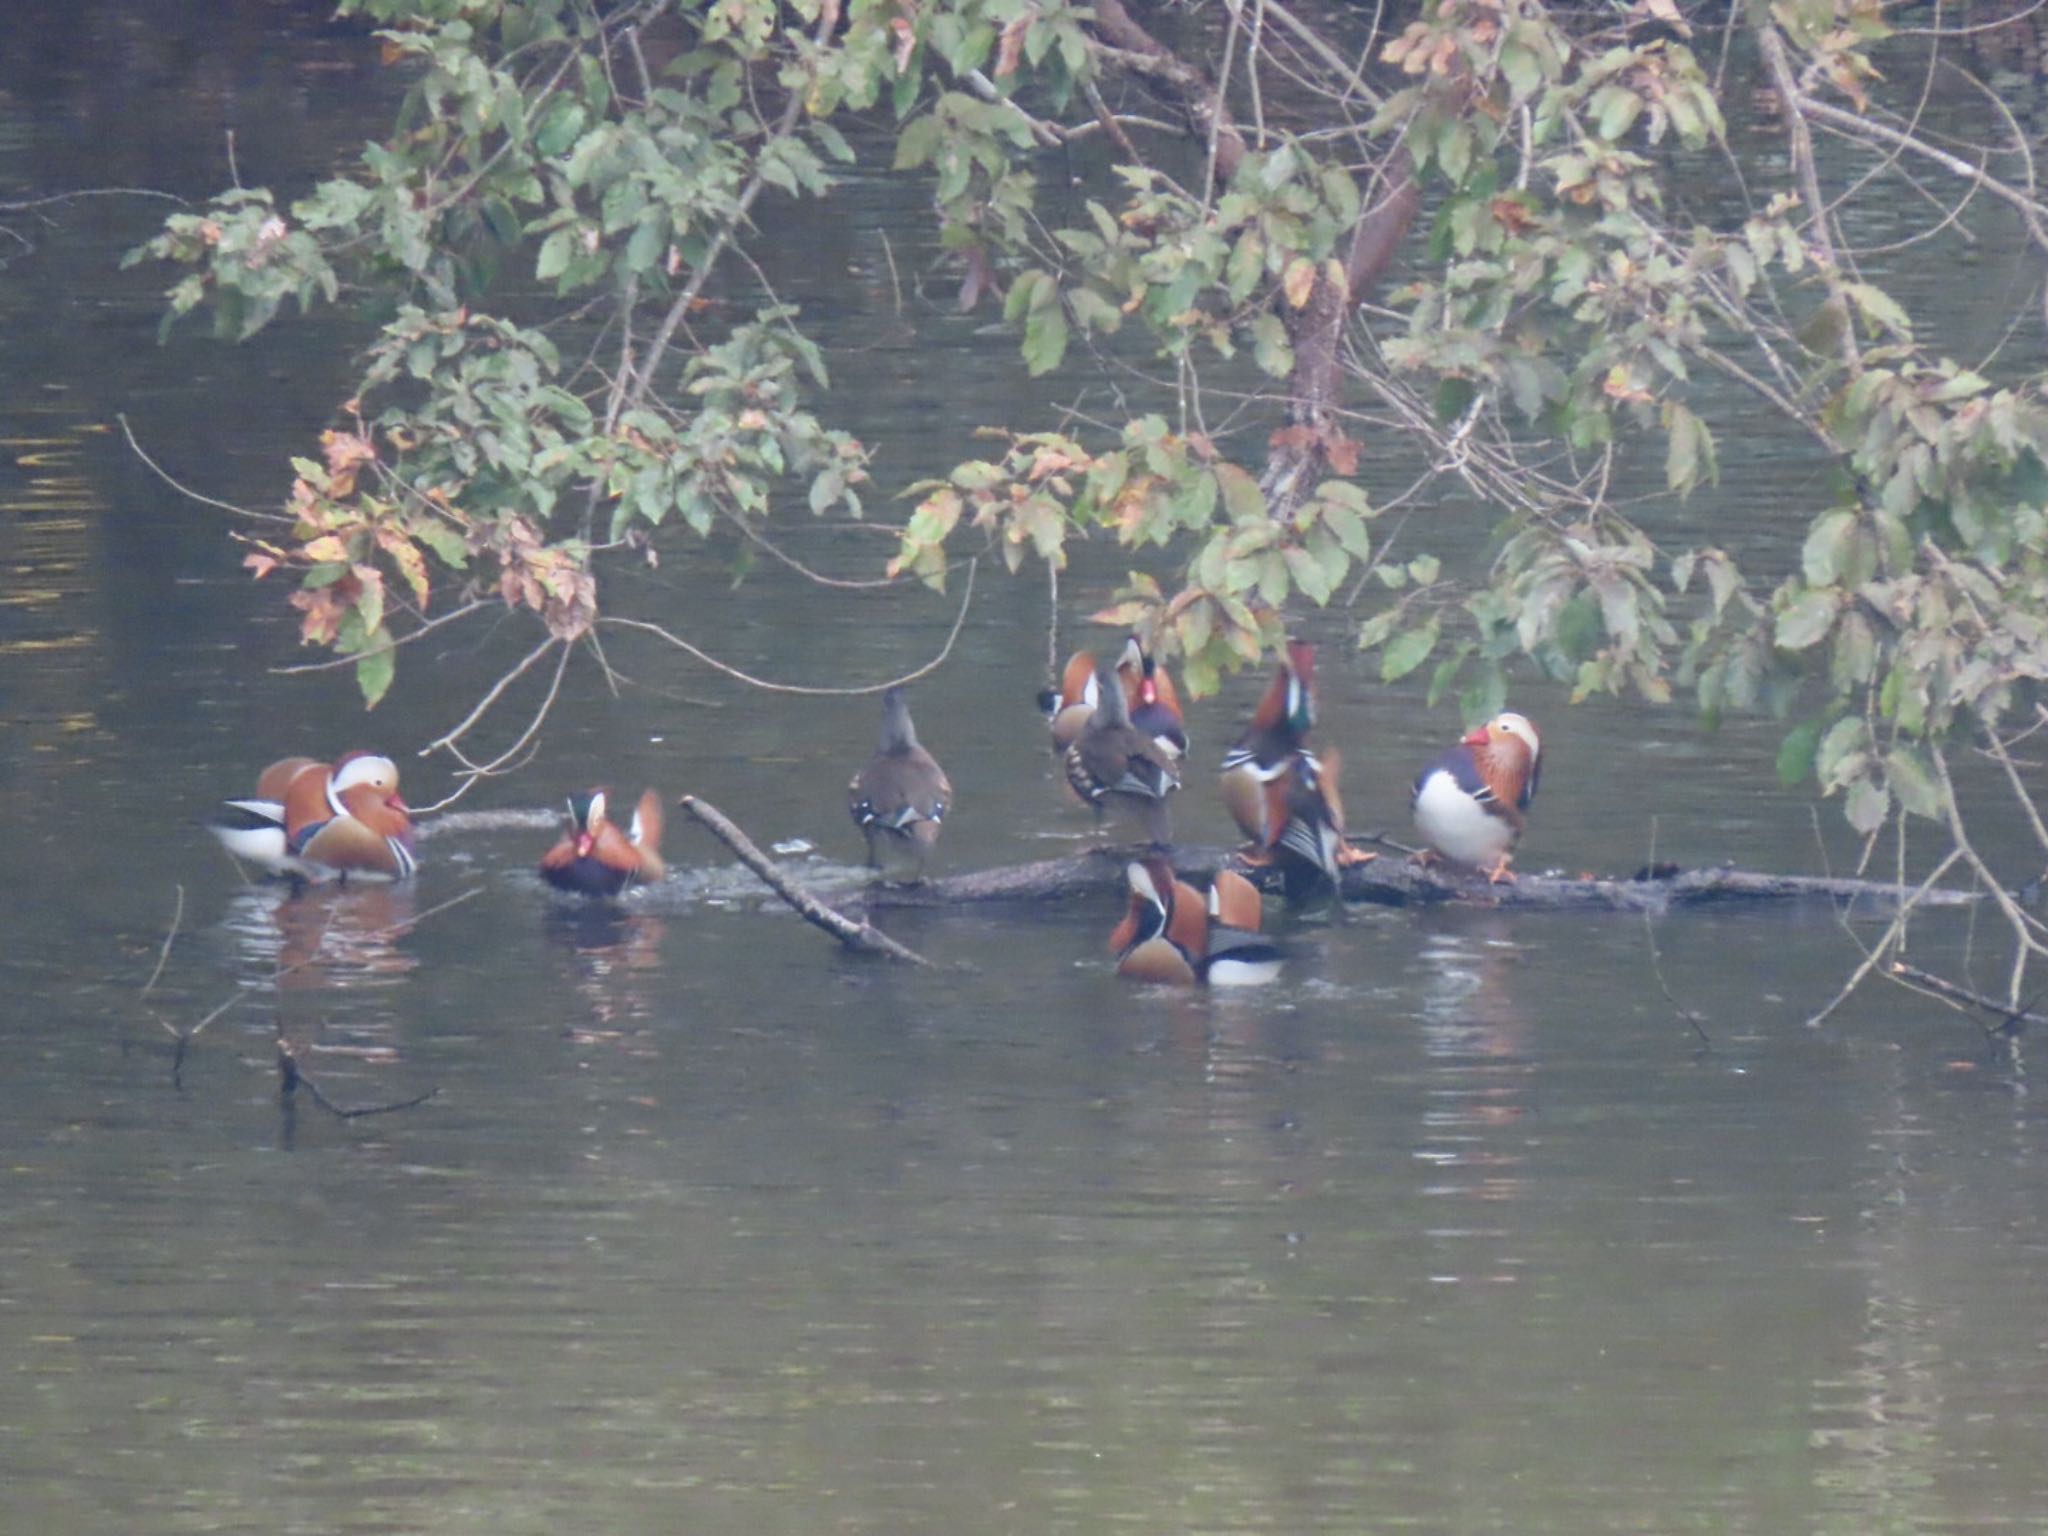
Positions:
(333, 662)
(185, 490)
(966, 599)
(164, 954)
(497, 692)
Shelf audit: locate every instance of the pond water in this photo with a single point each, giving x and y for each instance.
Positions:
(708, 1227)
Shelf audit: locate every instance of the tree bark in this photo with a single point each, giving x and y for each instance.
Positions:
(1302, 448)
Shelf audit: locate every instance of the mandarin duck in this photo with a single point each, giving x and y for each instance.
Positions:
(594, 858)
(1114, 764)
(314, 823)
(900, 798)
(1172, 935)
(1472, 801)
(1149, 694)
(1068, 706)
(1154, 701)
(1282, 797)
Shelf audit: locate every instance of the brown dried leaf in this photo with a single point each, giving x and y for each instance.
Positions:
(1011, 50)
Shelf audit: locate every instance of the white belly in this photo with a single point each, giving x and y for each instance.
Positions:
(1457, 826)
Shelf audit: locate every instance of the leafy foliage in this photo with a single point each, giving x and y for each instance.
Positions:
(1549, 339)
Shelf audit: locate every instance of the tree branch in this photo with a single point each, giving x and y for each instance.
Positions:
(1199, 98)
(855, 936)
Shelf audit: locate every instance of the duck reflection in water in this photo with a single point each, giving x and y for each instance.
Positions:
(1481, 1069)
(615, 958)
(341, 937)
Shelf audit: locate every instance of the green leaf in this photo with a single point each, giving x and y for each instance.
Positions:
(1868, 805)
(1618, 110)
(1408, 650)
(562, 126)
(555, 252)
(1880, 311)
(1446, 673)
(1795, 753)
(1242, 498)
(375, 671)
(1045, 339)
(1808, 619)
(917, 143)
(1910, 780)
(1689, 450)
(1270, 346)
(832, 141)
(650, 238)
(1246, 266)
(1821, 559)
(1374, 631)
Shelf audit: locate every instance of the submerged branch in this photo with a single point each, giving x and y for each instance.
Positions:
(2011, 1020)
(854, 935)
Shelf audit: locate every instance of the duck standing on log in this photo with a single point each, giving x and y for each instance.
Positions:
(311, 822)
(594, 858)
(1149, 694)
(900, 798)
(1281, 795)
(1472, 802)
(1114, 765)
(1154, 701)
(1172, 936)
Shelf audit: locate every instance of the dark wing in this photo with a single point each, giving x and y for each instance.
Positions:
(1463, 768)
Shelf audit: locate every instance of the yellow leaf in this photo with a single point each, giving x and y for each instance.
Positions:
(1299, 281)
(325, 549)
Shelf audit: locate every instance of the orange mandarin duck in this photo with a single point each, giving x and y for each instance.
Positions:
(1114, 765)
(309, 822)
(900, 798)
(1149, 694)
(1068, 706)
(1472, 802)
(594, 858)
(1281, 795)
(1171, 935)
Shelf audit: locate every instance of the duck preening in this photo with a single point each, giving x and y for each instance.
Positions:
(1472, 802)
(900, 798)
(1149, 695)
(1174, 936)
(595, 858)
(1281, 795)
(1114, 765)
(309, 821)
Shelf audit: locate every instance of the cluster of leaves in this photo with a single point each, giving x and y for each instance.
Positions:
(1556, 314)
(1924, 600)
(538, 141)
(1155, 490)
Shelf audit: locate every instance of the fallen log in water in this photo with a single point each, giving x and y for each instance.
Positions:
(1394, 881)
(1390, 880)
